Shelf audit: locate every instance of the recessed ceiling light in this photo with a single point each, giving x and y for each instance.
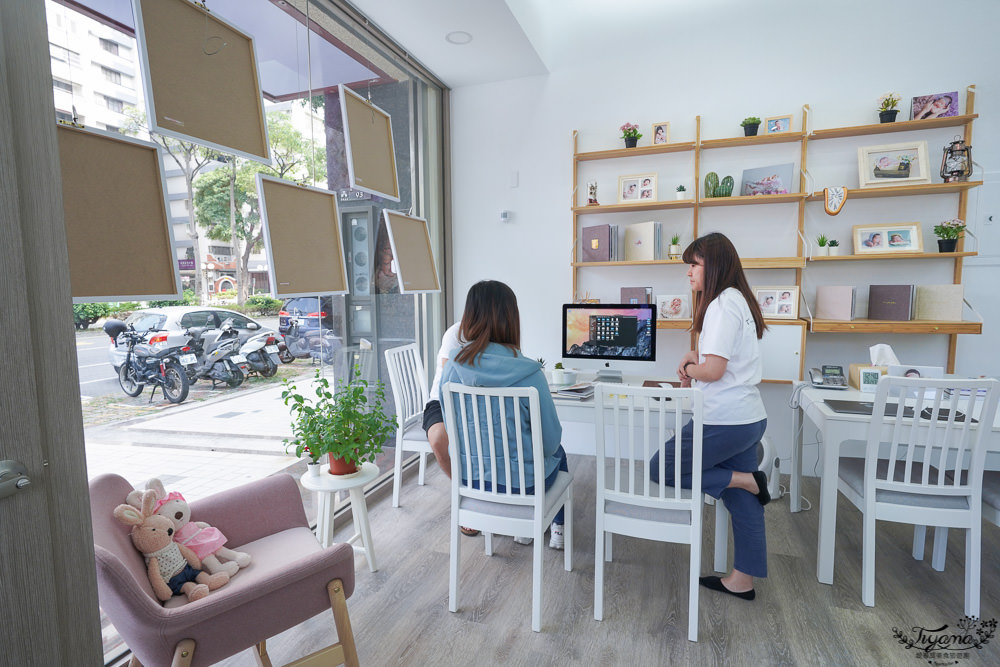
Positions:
(458, 37)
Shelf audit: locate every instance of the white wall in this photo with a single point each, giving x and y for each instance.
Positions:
(512, 149)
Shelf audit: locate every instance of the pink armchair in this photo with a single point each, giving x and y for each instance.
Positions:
(290, 579)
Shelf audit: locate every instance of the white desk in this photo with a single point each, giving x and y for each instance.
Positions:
(835, 428)
(326, 487)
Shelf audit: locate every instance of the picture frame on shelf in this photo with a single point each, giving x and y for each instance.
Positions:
(773, 180)
(887, 238)
(673, 306)
(779, 302)
(937, 105)
(778, 124)
(636, 188)
(890, 165)
(661, 133)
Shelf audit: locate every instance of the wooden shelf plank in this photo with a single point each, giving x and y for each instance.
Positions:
(638, 206)
(904, 190)
(646, 262)
(886, 128)
(638, 151)
(894, 255)
(756, 199)
(773, 262)
(889, 326)
(777, 138)
(673, 324)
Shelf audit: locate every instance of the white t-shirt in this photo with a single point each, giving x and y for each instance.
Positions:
(728, 331)
(450, 342)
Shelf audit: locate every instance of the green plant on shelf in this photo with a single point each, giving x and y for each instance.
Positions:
(821, 240)
(750, 120)
(833, 243)
(675, 239)
(681, 188)
(950, 229)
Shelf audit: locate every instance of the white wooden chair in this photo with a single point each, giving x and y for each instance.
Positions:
(485, 440)
(632, 423)
(924, 468)
(409, 393)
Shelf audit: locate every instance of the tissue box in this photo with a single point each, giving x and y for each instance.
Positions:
(854, 376)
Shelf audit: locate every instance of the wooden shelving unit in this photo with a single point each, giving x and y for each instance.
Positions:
(892, 326)
(905, 190)
(895, 255)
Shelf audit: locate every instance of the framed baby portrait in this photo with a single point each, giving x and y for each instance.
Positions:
(636, 189)
(777, 124)
(673, 306)
(938, 105)
(661, 133)
(893, 164)
(780, 302)
(887, 238)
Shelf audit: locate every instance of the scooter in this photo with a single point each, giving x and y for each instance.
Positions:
(311, 343)
(219, 358)
(261, 352)
(144, 366)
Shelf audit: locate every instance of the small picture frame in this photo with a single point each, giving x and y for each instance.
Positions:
(636, 189)
(661, 133)
(938, 105)
(673, 306)
(778, 124)
(778, 302)
(774, 180)
(868, 378)
(887, 238)
(893, 164)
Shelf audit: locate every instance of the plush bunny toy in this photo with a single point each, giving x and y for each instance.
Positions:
(172, 568)
(205, 541)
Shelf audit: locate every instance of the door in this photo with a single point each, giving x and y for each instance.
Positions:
(49, 597)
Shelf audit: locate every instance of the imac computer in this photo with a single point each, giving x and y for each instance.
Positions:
(611, 332)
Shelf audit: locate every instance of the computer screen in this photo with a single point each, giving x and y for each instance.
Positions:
(609, 331)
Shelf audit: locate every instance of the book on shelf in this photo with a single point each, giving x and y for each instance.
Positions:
(596, 243)
(580, 391)
(891, 302)
(835, 302)
(637, 295)
(616, 243)
(642, 241)
(939, 302)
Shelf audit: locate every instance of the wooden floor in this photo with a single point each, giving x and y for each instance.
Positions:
(400, 613)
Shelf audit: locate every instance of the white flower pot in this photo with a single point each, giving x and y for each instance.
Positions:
(570, 376)
(822, 251)
(674, 251)
(314, 469)
(558, 376)
(834, 251)
(682, 195)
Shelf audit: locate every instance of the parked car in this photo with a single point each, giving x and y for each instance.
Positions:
(304, 308)
(172, 321)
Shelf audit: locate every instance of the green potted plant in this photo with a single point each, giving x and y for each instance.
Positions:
(750, 125)
(887, 107)
(834, 246)
(948, 233)
(681, 192)
(675, 247)
(631, 134)
(558, 373)
(345, 424)
(823, 248)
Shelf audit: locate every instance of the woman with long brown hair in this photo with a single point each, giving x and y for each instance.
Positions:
(726, 367)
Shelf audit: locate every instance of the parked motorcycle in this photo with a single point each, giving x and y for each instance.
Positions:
(146, 366)
(219, 358)
(261, 352)
(311, 343)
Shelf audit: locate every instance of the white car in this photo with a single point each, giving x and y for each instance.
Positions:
(171, 321)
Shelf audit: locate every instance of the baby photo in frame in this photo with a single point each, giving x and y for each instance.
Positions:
(661, 133)
(778, 302)
(893, 164)
(778, 124)
(636, 188)
(673, 306)
(938, 105)
(887, 238)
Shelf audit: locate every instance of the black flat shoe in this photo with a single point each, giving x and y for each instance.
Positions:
(763, 495)
(715, 583)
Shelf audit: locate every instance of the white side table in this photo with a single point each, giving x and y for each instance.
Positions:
(326, 486)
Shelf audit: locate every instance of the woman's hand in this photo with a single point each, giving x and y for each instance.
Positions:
(690, 357)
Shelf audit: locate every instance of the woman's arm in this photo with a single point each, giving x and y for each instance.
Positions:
(713, 368)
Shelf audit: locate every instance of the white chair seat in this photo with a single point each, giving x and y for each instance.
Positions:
(852, 473)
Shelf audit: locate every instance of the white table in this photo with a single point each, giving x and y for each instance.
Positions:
(835, 429)
(326, 487)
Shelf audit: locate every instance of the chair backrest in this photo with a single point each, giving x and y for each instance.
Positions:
(487, 442)
(940, 447)
(634, 423)
(408, 382)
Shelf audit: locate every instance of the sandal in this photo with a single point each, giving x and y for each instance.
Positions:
(471, 532)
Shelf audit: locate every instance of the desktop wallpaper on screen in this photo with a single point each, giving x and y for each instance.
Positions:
(610, 333)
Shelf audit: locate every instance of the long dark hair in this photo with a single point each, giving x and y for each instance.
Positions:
(490, 316)
(722, 269)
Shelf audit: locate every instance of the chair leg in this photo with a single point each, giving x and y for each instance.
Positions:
(599, 536)
(422, 469)
(919, 540)
(260, 656)
(721, 536)
(342, 621)
(397, 472)
(940, 552)
(973, 563)
(693, 585)
(536, 581)
(134, 662)
(607, 546)
(183, 653)
(568, 528)
(868, 560)
(456, 552)
(488, 543)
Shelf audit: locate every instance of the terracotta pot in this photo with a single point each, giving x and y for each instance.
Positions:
(342, 467)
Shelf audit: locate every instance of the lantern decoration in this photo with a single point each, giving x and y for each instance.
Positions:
(956, 162)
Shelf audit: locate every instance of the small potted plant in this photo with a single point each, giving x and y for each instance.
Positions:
(834, 246)
(631, 134)
(681, 192)
(345, 423)
(887, 107)
(558, 373)
(823, 248)
(675, 247)
(750, 125)
(948, 233)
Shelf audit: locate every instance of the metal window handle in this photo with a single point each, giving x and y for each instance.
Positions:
(13, 476)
